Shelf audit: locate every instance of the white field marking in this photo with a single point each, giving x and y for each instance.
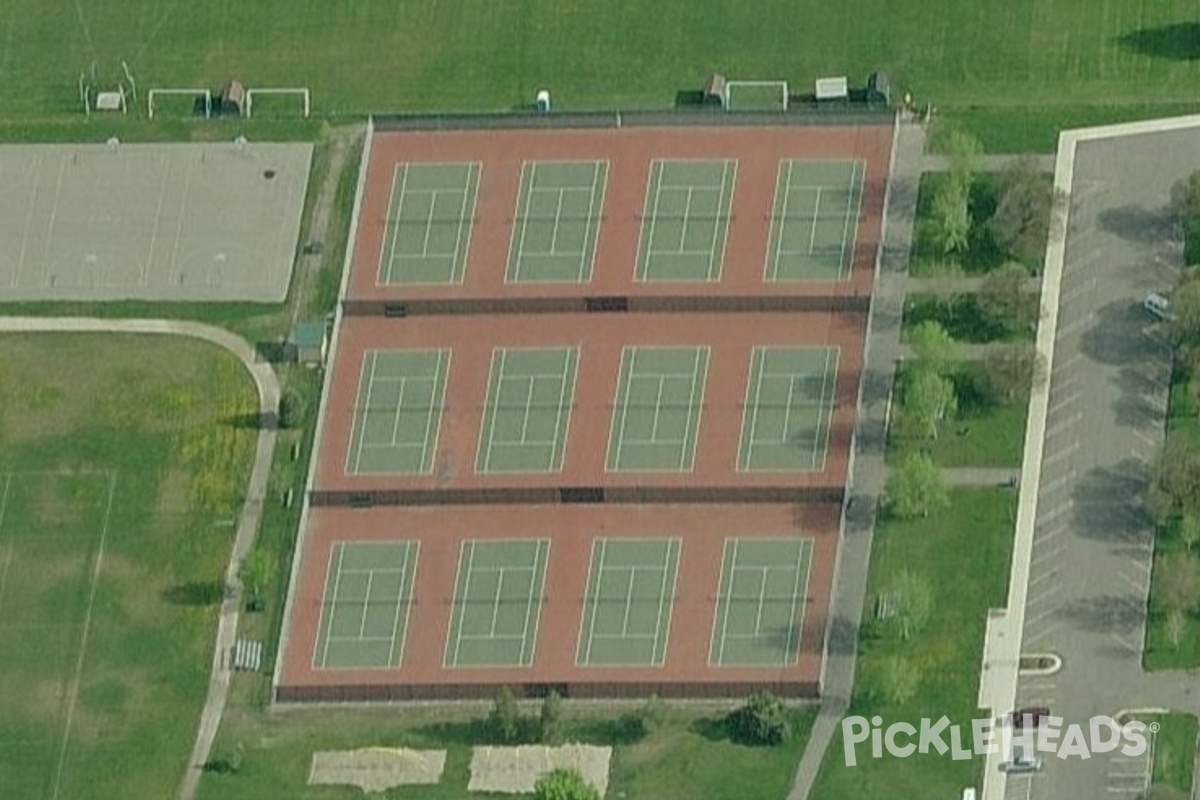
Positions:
(662, 381)
(187, 185)
(440, 379)
(496, 602)
(162, 193)
(397, 412)
(690, 430)
(723, 220)
(458, 270)
(366, 604)
(642, 270)
(340, 547)
(825, 411)
(461, 592)
(762, 598)
(724, 598)
(663, 629)
(779, 221)
(540, 557)
(557, 222)
(592, 235)
(846, 259)
(87, 625)
(628, 600)
(590, 601)
(528, 170)
(570, 366)
(750, 409)
(627, 369)
(387, 259)
(687, 213)
(812, 232)
(433, 196)
(10, 554)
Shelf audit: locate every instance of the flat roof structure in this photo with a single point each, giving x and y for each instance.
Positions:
(588, 414)
(214, 221)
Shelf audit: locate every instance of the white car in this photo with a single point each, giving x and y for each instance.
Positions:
(1158, 306)
(1022, 764)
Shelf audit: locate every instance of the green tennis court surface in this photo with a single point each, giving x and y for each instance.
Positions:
(528, 409)
(428, 223)
(760, 605)
(685, 220)
(627, 606)
(814, 220)
(558, 214)
(398, 411)
(497, 597)
(660, 393)
(364, 611)
(789, 400)
(52, 533)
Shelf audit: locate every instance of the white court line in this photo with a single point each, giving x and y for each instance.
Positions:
(590, 600)
(516, 247)
(187, 191)
(661, 630)
(462, 591)
(457, 272)
(429, 226)
(762, 598)
(387, 259)
(570, 366)
(366, 604)
(757, 360)
(857, 175)
(825, 410)
(797, 590)
(687, 213)
(87, 624)
(162, 194)
(368, 381)
(396, 413)
(646, 237)
(723, 599)
(36, 171)
(812, 232)
(626, 371)
(557, 222)
(441, 378)
(771, 269)
(489, 412)
(340, 549)
(691, 429)
(721, 224)
(541, 556)
(591, 236)
(496, 603)
(628, 600)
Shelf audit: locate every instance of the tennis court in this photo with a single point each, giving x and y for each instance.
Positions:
(497, 599)
(428, 225)
(528, 410)
(760, 603)
(558, 216)
(656, 414)
(814, 219)
(365, 606)
(685, 220)
(789, 402)
(627, 605)
(401, 395)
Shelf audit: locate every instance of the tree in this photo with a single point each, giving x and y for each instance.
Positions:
(1007, 372)
(928, 399)
(647, 718)
(564, 784)
(254, 574)
(1175, 483)
(1003, 301)
(1189, 531)
(551, 722)
(900, 678)
(965, 154)
(914, 599)
(916, 487)
(950, 217)
(506, 717)
(1176, 624)
(1022, 217)
(1163, 792)
(291, 409)
(934, 347)
(1185, 310)
(763, 720)
(1179, 581)
(1185, 199)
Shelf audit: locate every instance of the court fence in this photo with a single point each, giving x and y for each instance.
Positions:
(849, 300)
(797, 114)
(393, 692)
(579, 494)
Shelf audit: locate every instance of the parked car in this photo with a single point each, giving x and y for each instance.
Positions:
(1158, 306)
(1022, 764)
(1034, 714)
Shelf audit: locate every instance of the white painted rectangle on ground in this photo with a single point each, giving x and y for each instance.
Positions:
(377, 769)
(515, 770)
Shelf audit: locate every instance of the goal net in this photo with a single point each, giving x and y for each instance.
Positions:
(756, 96)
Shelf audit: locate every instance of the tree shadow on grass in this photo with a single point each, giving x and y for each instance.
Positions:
(1179, 41)
(469, 733)
(195, 593)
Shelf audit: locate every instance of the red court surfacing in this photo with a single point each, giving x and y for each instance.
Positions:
(629, 152)
(686, 669)
(723, 501)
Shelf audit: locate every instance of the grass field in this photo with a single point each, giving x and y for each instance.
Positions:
(472, 54)
(967, 544)
(688, 757)
(1174, 751)
(113, 563)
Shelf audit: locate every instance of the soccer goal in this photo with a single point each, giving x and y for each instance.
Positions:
(199, 96)
(300, 92)
(756, 96)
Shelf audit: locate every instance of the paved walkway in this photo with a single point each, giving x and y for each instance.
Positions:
(867, 474)
(268, 405)
(982, 476)
(959, 284)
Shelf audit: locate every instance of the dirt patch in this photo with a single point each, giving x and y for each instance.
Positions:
(377, 769)
(515, 770)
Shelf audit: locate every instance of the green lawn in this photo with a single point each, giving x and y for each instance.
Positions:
(964, 553)
(688, 758)
(959, 314)
(1174, 751)
(471, 54)
(127, 458)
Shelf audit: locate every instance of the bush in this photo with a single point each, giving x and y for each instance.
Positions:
(505, 719)
(291, 410)
(551, 727)
(762, 721)
(564, 784)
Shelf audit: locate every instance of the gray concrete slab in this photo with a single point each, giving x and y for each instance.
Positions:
(161, 222)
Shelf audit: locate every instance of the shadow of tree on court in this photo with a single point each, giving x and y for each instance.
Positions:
(1179, 41)
(1138, 224)
(195, 593)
